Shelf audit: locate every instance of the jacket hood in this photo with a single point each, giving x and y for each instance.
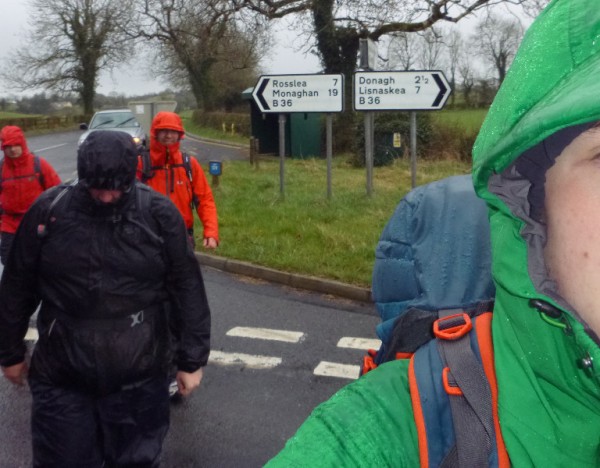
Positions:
(13, 136)
(551, 93)
(164, 121)
(107, 160)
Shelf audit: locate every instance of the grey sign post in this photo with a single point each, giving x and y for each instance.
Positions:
(285, 94)
(401, 90)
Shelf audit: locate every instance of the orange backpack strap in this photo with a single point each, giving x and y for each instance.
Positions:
(454, 394)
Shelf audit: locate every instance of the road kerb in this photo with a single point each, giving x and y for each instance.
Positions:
(310, 283)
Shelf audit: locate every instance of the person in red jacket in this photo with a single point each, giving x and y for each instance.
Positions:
(169, 176)
(23, 177)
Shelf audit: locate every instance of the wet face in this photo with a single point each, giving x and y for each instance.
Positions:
(573, 219)
(167, 137)
(106, 196)
(12, 151)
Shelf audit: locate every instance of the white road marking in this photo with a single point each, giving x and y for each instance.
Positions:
(266, 334)
(333, 369)
(49, 148)
(358, 343)
(252, 361)
(32, 334)
(247, 360)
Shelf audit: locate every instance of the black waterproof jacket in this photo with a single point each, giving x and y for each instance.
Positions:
(108, 278)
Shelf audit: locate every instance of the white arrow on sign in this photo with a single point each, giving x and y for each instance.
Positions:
(400, 90)
(299, 93)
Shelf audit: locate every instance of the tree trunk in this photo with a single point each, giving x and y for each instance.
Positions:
(338, 48)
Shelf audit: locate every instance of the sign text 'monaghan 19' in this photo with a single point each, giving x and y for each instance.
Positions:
(299, 93)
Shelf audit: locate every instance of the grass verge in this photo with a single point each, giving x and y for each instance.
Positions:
(211, 133)
(304, 231)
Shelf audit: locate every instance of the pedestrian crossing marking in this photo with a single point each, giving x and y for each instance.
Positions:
(247, 360)
(252, 361)
(334, 369)
(266, 334)
(358, 343)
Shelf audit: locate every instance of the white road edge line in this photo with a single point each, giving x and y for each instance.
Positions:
(358, 343)
(266, 334)
(333, 369)
(48, 148)
(247, 360)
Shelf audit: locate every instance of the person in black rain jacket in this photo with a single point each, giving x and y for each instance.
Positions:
(104, 256)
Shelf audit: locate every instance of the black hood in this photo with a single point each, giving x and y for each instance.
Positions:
(107, 160)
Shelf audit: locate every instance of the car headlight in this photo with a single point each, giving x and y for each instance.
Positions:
(137, 140)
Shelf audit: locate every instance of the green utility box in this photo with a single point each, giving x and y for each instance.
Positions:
(302, 131)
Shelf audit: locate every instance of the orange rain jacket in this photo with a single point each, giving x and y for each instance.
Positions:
(170, 177)
(20, 184)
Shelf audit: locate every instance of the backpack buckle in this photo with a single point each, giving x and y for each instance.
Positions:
(450, 384)
(452, 327)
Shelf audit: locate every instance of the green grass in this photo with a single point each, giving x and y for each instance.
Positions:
(468, 119)
(304, 232)
(211, 133)
(16, 115)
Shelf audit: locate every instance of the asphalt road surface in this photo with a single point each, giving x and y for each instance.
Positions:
(276, 353)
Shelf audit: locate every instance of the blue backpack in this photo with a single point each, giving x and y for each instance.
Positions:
(433, 289)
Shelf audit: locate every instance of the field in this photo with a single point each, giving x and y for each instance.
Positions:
(468, 119)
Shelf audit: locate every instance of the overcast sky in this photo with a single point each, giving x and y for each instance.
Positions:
(283, 58)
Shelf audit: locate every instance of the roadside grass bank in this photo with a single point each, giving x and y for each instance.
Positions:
(304, 232)
(211, 133)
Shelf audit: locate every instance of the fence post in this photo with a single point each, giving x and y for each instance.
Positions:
(256, 155)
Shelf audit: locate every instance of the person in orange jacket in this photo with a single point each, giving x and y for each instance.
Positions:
(23, 177)
(168, 175)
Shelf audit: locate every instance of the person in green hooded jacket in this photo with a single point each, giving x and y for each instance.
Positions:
(536, 163)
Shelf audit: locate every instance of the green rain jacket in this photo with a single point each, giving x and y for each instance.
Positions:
(549, 403)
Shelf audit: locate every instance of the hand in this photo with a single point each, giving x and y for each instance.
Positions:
(188, 382)
(16, 373)
(210, 243)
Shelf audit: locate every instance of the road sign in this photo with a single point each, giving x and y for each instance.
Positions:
(215, 168)
(400, 90)
(299, 93)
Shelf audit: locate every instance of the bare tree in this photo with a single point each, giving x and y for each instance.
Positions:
(466, 72)
(432, 48)
(498, 40)
(402, 51)
(337, 26)
(532, 8)
(71, 41)
(198, 37)
(454, 48)
(408, 51)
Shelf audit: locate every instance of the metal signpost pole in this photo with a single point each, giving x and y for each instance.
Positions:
(369, 151)
(329, 144)
(281, 154)
(413, 149)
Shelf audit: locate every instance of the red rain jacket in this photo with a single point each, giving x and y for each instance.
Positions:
(174, 182)
(20, 184)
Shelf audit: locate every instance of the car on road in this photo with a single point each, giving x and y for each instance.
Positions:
(116, 119)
